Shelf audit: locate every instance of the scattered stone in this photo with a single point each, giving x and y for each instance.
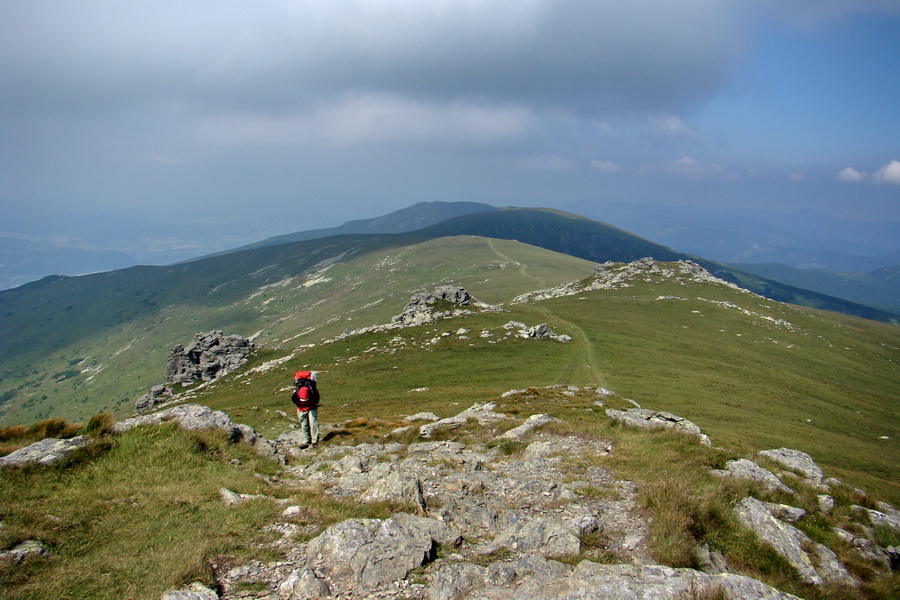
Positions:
(825, 503)
(797, 461)
(25, 550)
(232, 498)
(209, 356)
(650, 419)
(744, 468)
(541, 535)
(45, 452)
(422, 416)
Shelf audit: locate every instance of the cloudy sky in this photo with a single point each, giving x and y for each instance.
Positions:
(233, 121)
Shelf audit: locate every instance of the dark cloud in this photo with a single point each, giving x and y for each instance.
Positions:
(589, 56)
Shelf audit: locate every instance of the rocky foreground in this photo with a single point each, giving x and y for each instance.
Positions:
(529, 515)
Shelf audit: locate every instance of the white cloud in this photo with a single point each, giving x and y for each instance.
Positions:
(796, 177)
(851, 175)
(670, 126)
(890, 173)
(605, 166)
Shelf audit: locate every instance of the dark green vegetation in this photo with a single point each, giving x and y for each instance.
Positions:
(876, 288)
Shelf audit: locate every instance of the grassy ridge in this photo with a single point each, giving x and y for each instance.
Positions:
(823, 385)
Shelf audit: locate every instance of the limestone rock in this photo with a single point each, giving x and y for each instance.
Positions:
(744, 468)
(590, 581)
(232, 498)
(195, 591)
(303, 585)
(530, 424)
(482, 413)
(398, 488)
(208, 356)
(543, 536)
(370, 553)
(650, 419)
(44, 452)
(784, 539)
(796, 460)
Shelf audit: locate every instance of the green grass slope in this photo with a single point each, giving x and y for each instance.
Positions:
(754, 374)
(75, 346)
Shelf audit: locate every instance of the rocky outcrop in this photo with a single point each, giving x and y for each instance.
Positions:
(44, 452)
(158, 394)
(195, 417)
(538, 579)
(612, 276)
(422, 308)
(650, 419)
(208, 356)
(791, 543)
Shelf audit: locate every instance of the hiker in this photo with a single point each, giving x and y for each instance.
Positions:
(306, 399)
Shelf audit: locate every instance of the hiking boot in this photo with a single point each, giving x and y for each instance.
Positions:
(303, 446)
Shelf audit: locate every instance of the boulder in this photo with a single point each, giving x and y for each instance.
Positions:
(533, 578)
(208, 356)
(797, 461)
(44, 452)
